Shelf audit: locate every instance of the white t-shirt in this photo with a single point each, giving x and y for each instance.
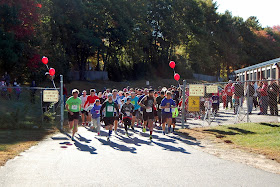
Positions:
(84, 99)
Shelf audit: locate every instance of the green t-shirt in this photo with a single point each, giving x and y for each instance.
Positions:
(74, 105)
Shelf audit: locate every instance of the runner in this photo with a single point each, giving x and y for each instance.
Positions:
(84, 112)
(159, 100)
(73, 106)
(136, 112)
(175, 113)
(146, 92)
(95, 113)
(167, 104)
(109, 116)
(147, 103)
(90, 101)
(127, 110)
(117, 100)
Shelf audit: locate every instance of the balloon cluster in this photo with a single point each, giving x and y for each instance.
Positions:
(45, 61)
(172, 65)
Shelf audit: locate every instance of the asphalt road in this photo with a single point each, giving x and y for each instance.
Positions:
(136, 161)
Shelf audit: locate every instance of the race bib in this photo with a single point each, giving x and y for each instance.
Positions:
(167, 110)
(160, 107)
(229, 90)
(74, 107)
(127, 113)
(149, 110)
(215, 101)
(173, 110)
(110, 109)
(97, 111)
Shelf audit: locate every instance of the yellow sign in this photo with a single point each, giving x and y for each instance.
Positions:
(194, 105)
(212, 89)
(197, 90)
(50, 96)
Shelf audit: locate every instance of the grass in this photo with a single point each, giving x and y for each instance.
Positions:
(13, 142)
(262, 138)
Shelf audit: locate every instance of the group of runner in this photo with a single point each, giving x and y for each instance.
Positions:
(147, 108)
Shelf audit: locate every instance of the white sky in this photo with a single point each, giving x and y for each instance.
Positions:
(267, 11)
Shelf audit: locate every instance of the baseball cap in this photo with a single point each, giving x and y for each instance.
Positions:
(75, 91)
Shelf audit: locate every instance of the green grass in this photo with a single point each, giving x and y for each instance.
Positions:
(264, 137)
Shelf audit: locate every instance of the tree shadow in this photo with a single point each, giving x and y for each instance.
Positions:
(214, 131)
(269, 125)
(117, 146)
(171, 148)
(241, 130)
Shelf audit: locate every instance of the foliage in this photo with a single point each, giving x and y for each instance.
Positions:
(130, 39)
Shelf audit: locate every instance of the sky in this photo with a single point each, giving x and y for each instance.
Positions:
(267, 11)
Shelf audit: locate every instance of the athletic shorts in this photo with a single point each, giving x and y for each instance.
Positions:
(148, 115)
(127, 121)
(85, 112)
(75, 116)
(166, 116)
(155, 113)
(109, 121)
(159, 114)
(173, 120)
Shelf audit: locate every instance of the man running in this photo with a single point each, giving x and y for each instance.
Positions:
(127, 110)
(84, 112)
(89, 102)
(147, 103)
(146, 92)
(73, 106)
(136, 112)
(109, 106)
(159, 99)
(117, 100)
(167, 104)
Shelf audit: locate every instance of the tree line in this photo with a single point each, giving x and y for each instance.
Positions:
(131, 39)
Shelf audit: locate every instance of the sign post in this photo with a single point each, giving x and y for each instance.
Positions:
(183, 103)
(61, 103)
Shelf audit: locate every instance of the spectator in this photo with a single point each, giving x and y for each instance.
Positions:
(10, 91)
(255, 96)
(3, 87)
(18, 91)
(215, 103)
(250, 91)
(263, 97)
(229, 93)
(238, 90)
(7, 78)
(273, 92)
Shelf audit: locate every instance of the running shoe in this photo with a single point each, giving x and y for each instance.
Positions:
(144, 130)
(151, 137)
(72, 138)
(108, 139)
(132, 128)
(163, 132)
(83, 124)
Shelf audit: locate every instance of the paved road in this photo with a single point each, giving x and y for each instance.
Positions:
(91, 161)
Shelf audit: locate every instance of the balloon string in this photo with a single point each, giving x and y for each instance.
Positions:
(51, 76)
(174, 75)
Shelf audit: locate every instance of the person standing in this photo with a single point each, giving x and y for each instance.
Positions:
(159, 100)
(264, 97)
(74, 106)
(250, 91)
(229, 94)
(7, 78)
(273, 92)
(109, 106)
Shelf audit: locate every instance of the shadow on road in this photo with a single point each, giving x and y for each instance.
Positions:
(171, 148)
(86, 148)
(117, 146)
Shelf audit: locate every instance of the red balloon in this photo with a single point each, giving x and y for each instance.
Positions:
(177, 77)
(45, 60)
(172, 64)
(52, 72)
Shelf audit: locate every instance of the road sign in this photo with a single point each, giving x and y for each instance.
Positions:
(50, 96)
(212, 89)
(194, 105)
(197, 90)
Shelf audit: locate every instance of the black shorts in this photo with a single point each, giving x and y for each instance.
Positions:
(127, 121)
(148, 115)
(75, 116)
(109, 120)
(159, 114)
(85, 112)
(166, 116)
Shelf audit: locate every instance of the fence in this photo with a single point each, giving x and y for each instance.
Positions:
(24, 107)
(230, 102)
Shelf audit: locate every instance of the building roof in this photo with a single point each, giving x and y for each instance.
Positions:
(270, 62)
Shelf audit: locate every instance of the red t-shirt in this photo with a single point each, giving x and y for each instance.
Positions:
(90, 100)
(228, 90)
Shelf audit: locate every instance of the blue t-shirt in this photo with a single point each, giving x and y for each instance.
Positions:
(95, 111)
(167, 102)
(134, 102)
(215, 100)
